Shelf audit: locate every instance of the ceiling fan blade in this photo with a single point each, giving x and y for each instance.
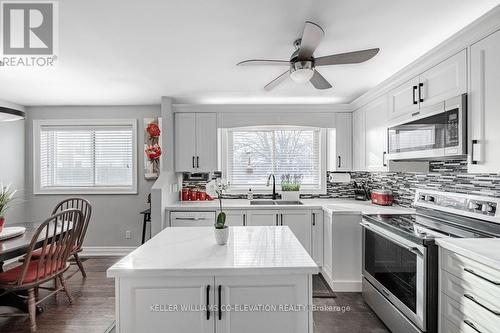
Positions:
(355, 57)
(271, 85)
(319, 82)
(311, 37)
(263, 62)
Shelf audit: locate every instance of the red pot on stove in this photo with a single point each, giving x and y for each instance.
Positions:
(382, 197)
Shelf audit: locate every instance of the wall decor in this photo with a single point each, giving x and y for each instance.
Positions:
(152, 147)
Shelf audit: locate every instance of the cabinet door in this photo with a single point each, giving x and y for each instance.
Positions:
(317, 237)
(142, 304)
(445, 80)
(271, 291)
(260, 217)
(340, 143)
(235, 218)
(485, 105)
(327, 246)
(376, 135)
(206, 142)
(299, 221)
(403, 100)
(185, 142)
(358, 140)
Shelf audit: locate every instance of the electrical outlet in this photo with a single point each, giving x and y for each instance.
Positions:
(128, 234)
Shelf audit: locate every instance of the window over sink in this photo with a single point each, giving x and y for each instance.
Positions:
(85, 156)
(248, 155)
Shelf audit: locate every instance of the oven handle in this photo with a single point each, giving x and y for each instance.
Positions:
(413, 249)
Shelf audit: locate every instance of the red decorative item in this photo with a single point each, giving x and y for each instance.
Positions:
(382, 197)
(185, 195)
(202, 196)
(153, 130)
(153, 152)
(2, 222)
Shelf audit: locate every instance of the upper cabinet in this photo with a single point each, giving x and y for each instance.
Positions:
(195, 142)
(484, 112)
(376, 135)
(340, 143)
(358, 140)
(446, 79)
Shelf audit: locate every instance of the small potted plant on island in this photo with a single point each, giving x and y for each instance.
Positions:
(290, 187)
(6, 197)
(216, 188)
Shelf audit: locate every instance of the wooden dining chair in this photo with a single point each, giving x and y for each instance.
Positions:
(55, 238)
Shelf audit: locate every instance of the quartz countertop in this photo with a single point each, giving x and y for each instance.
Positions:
(483, 250)
(186, 251)
(332, 206)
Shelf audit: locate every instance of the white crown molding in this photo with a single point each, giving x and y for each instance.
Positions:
(106, 251)
(289, 108)
(477, 30)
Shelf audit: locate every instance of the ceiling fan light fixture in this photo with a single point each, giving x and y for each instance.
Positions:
(301, 71)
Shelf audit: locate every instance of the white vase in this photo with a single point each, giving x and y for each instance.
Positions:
(221, 235)
(290, 195)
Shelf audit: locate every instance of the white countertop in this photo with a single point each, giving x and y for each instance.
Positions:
(332, 206)
(187, 251)
(483, 250)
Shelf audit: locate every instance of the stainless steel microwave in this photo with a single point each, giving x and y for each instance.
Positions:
(440, 132)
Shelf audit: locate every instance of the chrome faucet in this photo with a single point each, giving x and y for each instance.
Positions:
(275, 195)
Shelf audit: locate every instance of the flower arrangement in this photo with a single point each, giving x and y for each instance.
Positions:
(216, 188)
(153, 152)
(152, 148)
(290, 182)
(153, 130)
(6, 198)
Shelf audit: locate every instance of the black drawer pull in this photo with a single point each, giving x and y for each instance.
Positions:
(468, 270)
(208, 302)
(471, 325)
(220, 302)
(414, 92)
(420, 86)
(470, 297)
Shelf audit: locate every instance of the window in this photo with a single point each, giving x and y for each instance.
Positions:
(250, 154)
(81, 156)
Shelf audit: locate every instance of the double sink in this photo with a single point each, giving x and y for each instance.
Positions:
(274, 202)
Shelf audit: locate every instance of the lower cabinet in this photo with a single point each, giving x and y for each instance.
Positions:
(262, 217)
(300, 223)
(209, 304)
(235, 218)
(317, 236)
(342, 251)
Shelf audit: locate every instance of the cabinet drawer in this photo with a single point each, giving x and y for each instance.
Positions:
(471, 271)
(467, 314)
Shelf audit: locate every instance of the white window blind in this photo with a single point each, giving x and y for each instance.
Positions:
(252, 153)
(93, 157)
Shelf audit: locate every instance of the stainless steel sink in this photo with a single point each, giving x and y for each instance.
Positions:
(262, 202)
(287, 202)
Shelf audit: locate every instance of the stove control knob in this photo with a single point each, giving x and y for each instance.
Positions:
(489, 208)
(430, 198)
(475, 205)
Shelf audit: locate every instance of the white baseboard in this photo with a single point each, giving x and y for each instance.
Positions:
(106, 251)
(343, 285)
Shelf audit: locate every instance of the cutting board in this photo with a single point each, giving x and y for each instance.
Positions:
(10, 232)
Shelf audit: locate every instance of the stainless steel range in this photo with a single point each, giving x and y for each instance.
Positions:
(400, 258)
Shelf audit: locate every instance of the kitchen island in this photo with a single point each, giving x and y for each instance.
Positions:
(182, 281)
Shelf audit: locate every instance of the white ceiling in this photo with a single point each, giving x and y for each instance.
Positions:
(129, 52)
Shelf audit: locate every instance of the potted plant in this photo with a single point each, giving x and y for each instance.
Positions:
(6, 197)
(216, 188)
(290, 187)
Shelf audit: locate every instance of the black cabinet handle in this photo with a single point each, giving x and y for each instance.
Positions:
(220, 302)
(193, 163)
(281, 219)
(420, 86)
(470, 297)
(339, 161)
(314, 219)
(208, 302)
(384, 163)
(471, 325)
(414, 93)
(197, 161)
(277, 219)
(470, 271)
(474, 142)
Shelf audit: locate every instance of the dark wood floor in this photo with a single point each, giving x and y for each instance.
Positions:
(93, 310)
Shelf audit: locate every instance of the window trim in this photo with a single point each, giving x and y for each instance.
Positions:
(240, 189)
(37, 189)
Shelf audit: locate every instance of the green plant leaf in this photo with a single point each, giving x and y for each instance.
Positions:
(221, 221)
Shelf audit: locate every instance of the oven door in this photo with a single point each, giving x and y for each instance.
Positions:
(396, 267)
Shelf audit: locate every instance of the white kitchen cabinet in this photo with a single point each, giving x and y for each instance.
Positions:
(235, 218)
(195, 142)
(144, 299)
(262, 217)
(358, 140)
(375, 115)
(342, 251)
(299, 221)
(317, 236)
(273, 291)
(339, 143)
(445, 80)
(484, 112)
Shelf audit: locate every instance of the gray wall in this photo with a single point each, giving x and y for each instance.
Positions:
(112, 214)
(12, 165)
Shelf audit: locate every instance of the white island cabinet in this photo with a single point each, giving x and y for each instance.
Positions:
(182, 281)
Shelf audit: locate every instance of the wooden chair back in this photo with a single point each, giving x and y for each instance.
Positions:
(85, 207)
(57, 236)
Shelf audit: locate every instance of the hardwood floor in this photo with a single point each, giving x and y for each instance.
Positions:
(93, 310)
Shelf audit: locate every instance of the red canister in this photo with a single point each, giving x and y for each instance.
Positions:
(185, 194)
(382, 197)
(202, 196)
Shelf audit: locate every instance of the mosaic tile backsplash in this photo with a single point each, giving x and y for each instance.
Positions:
(450, 175)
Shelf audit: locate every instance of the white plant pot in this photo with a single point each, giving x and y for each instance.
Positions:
(290, 195)
(221, 235)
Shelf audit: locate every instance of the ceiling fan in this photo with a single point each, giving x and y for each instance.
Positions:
(302, 64)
